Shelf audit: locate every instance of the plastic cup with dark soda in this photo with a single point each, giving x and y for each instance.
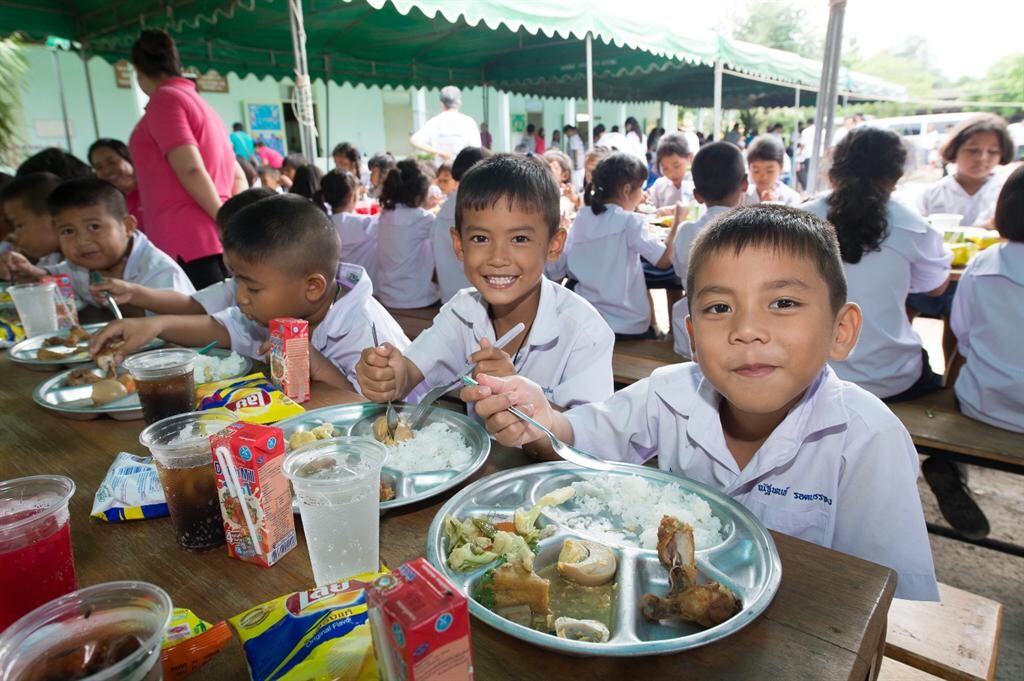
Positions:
(101, 633)
(36, 562)
(165, 382)
(181, 451)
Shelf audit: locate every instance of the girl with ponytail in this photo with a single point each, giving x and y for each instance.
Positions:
(405, 259)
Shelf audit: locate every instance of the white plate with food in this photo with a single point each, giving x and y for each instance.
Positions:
(61, 349)
(633, 561)
(88, 392)
(439, 456)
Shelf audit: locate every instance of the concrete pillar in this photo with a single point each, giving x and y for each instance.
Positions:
(419, 107)
(570, 112)
(503, 138)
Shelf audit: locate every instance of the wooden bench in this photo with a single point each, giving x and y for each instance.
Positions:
(897, 671)
(957, 638)
(635, 360)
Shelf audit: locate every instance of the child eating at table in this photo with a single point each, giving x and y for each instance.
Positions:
(405, 260)
(209, 300)
(23, 202)
(98, 238)
(976, 146)
(506, 228)
(283, 252)
(606, 243)
(451, 275)
(358, 233)
(672, 158)
(719, 183)
(760, 416)
(765, 157)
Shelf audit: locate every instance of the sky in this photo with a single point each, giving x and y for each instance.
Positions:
(961, 43)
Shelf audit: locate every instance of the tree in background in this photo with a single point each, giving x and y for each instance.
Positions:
(12, 71)
(784, 26)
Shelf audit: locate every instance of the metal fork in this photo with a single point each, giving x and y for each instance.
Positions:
(96, 278)
(416, 420)
(570, 454)
(390, 416)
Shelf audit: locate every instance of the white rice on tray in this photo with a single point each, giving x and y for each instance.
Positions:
(628, 510)
(208, 369)
(433, 447)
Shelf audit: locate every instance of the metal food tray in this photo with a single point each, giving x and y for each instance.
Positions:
(746, 561)
(410, 488)
(25, 351)
(75, 402)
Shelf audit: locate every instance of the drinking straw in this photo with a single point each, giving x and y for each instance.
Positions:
(227, 465)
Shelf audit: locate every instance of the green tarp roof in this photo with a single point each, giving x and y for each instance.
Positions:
(533, 47)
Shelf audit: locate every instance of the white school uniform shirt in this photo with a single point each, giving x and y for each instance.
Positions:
(405, 258)
(988, 318)
(912, 259)
(568, 351)
(449, 131)
(685, 235)
(147, 265)
(358, 234)
(217, 297)
(948, 196)
(574, 146)
(839, 471)
(783, 194)
(342, 335)
(451, 275)
(603, 254)
(664, 193)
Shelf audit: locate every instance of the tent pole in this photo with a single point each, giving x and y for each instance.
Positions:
(63, 104)
(327, 101)
(717, 134)
(825, 113)
(590, 93)
(303, 93)
(88, 85)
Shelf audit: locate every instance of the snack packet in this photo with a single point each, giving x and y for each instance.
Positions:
(252, 398)
(67, 311)
(130, 490)
(11, 331)
(189, 643)
(317, 635)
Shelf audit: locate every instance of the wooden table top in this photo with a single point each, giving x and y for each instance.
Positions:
(826, 622)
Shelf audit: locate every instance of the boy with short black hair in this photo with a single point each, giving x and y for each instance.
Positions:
(760, 416)
(98, 236)
(208, 300)
(766, 160)
(283, 251)
(719, 183)
(506, 229)
(23, 202)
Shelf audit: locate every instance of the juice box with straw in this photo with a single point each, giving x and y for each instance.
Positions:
(258, 522)
(289, 356)
(420, 625)
(67, 313)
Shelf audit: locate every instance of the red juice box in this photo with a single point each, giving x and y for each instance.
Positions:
(289, 356)
(420, 625)
(67, 313)
(257, 453)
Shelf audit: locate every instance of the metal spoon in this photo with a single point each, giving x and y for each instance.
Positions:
(390, 416)
(95, 278)
(570, 454)
(416, 420)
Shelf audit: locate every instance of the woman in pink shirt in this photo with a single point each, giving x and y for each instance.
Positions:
(112, 162)
(185, 167)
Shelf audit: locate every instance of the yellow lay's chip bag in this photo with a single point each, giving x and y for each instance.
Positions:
(317, 635)
(252, 398)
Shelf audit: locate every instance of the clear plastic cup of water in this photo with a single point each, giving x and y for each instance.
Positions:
(337, 483)
(37, 307)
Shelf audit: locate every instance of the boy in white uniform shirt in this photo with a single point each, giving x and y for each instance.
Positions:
(765, 157)
(284, 254)
(98, 235)
(760, 416)
(33, 239)
(451, 275)
(209, 300)
(506, 228)
(672, 159)
(719, 173)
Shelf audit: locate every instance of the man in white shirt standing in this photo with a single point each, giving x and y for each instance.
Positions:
(450, 131)
(576, 152)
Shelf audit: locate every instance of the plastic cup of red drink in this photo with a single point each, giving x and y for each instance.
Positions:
(36, 562)
(100, 633)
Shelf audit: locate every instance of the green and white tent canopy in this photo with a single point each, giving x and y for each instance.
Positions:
(534, 48)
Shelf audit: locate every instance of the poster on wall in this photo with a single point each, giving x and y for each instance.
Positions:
(265, 121)
(518, 122)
